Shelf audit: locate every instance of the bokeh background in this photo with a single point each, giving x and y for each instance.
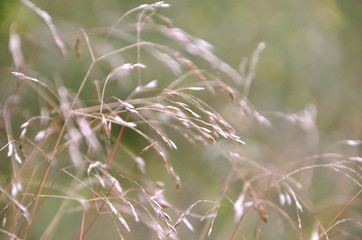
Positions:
(313, 53)
(313, 57)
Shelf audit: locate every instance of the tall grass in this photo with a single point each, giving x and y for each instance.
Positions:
(138, 131)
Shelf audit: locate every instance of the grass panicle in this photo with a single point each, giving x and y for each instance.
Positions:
(112, 148)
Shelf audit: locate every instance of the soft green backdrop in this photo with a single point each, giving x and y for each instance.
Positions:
(313, 53)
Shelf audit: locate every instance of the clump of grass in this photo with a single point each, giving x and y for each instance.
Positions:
(80, 166)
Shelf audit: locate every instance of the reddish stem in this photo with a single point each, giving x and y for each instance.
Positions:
(99, 185)
(99, 211)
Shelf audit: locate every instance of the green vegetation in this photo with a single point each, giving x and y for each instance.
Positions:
(121, 122)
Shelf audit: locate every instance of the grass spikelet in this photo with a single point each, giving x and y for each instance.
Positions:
(49, 22)
(15, 49)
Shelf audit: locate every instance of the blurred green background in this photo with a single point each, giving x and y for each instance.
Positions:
(313, 53)
(313, 56)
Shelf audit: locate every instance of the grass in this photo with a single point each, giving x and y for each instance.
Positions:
(100, 149)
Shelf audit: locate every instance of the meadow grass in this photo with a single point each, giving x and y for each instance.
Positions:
(139, 130)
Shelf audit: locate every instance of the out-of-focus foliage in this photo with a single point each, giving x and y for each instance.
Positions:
(313, 49)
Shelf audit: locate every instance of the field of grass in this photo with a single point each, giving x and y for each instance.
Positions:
(187, 120)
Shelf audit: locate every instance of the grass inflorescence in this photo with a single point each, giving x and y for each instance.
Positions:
(124, 113)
